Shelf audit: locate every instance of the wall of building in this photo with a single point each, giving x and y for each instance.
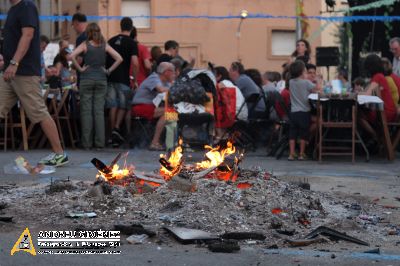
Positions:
(329, 35)
(216, 40)
(206, 40)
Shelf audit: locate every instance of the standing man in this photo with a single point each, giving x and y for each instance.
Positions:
(79, 23)
(395, 49)
(144, 58)
(119, 93)
(171, 51)
(21, 79)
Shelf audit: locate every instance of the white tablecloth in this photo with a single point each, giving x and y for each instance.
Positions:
(361, 99)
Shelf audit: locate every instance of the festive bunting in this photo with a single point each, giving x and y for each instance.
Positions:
(304, 21)
(250, 16)
(376, 4)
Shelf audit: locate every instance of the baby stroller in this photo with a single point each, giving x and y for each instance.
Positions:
(193, 95)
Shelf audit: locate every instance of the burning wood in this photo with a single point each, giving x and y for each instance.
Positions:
(216, 156)
(113, 173)
(221, 164)
(173, 165)
(150, 178)
(224, 166)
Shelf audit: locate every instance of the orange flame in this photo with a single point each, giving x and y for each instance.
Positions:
(116, 173)
(216, 156)
(175, 160)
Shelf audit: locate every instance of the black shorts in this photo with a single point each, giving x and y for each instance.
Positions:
(299, 125)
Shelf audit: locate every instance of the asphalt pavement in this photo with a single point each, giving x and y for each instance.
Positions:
(373, 179)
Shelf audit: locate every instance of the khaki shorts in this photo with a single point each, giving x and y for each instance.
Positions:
(27, 90)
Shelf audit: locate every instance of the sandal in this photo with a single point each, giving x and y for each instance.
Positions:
(156, 147)
(292, 157)
(303, 157)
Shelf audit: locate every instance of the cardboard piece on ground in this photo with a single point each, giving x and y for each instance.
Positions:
(187, 236)
(72, 214)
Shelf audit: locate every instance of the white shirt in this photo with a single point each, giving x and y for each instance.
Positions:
(396, 66)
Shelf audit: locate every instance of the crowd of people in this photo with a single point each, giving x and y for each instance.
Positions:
(125, 78)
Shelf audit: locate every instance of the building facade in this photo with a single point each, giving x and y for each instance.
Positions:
(259, 43)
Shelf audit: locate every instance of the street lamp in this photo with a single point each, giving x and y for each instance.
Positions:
(243, 15)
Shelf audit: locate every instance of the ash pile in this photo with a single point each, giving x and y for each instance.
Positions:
(216, 204)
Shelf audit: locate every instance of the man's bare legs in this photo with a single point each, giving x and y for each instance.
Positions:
(120, 115)
(302, 147)
(158, 113)
(113, 117)
(50, 130)
(292, 148)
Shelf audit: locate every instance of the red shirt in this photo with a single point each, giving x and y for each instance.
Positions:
(143, 55)
(390, 108)
(285, 93)
(396, 81)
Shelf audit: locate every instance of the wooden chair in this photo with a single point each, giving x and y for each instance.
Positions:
(395, 136)
(4, 140)
(10, 125)
(57, 104)
(326, 121)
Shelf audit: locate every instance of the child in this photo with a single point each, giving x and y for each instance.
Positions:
(358, 85)
(300, 116)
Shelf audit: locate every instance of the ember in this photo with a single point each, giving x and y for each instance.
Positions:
(244, 185)
(277, 211)
(226, 175)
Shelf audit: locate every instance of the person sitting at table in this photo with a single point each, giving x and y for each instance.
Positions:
(393, 82)
(283, 108)
(230, 104)
(379, 86)
(143, 106)
(63, 44)
(300, 117)
(358, 85)
(248, 88)
(374, 67)
(63, 69)
(270, 79)
(312, 73)
(343, 76)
